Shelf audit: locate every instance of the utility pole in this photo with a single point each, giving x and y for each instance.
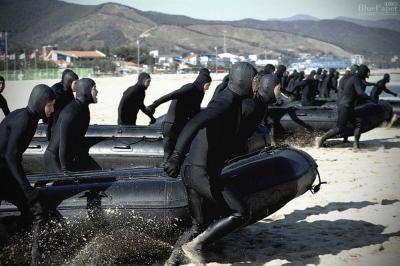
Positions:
(224, 41)
(138, 52)
(216, 56)
(6, 58)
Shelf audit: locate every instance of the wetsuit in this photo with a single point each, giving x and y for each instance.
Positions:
(254, 110)
(67, 142)
(354, 89)
(132, 101)
(222, 86)
(4, 105)
(210, 139)
(64, 95)
(308, 88)
(327, 85)
(3, 102)
(321, 80)
(380, 87)
(186, 103)
(16, 132)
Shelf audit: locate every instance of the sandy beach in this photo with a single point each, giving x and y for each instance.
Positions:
(353, 220)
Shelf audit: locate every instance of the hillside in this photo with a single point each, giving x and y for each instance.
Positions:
(42, 22)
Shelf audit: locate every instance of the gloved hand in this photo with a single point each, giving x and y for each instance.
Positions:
(151, 108)
(279, 102)
(173, 164)
(395, 95)
(152, 121)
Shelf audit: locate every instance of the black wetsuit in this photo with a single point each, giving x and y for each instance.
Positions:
(222, 86)
(186, 103)
(354, 90)
(210, 138)
(321, 80)
(327, 86)
(67, 142)
(4, 105)
(308, 88)
(132, 101)
(297, 86)
(379, 88)
(254, 110)
(16, 132)
(64, 95)
(342, 81)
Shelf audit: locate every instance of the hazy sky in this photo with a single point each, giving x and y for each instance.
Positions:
(263, 9)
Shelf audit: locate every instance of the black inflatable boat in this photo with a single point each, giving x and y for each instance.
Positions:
(292, 117)
(129, 210)
(108, 147)
(268, 179)
(111, 147)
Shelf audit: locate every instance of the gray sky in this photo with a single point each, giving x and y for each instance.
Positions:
(263, 9)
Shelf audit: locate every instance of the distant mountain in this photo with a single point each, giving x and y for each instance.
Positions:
(41, 22)
(389, 24)
(347, 35)
(299, 17)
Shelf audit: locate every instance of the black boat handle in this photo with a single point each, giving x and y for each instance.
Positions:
(122, 147)
(35, 146)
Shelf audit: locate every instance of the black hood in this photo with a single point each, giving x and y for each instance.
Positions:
(331, 71)
(386, 78)
(225, 79)
(202, 79)
(319, 71)
(142, 78)
(354, 69)
(301, 75)
(241, 77)
(312, 74)
(363, 72)
(267, 85)
(84, 90)
(68, 76)
(40, 96)
(280, 70)
(269, 69)
(205, 71)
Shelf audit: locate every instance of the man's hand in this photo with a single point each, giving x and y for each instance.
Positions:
(173, 164)
(151, 109)
(152, 121)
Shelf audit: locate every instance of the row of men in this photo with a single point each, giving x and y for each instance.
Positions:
(198, 144)
(210, 137)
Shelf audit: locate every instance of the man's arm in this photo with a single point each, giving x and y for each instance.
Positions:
(389, 91)
(201, 120)
(65, 124)
(13, 155)
(173, 95)
(360, 92)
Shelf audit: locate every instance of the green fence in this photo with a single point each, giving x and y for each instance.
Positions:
(50, 73)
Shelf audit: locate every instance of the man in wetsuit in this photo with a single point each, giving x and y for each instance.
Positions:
(3, 102)
(353, 70)
(327, 84)
(64, 95)
(16, 132)
(222, 86)
(185, 105)
(354, 89)
(308, 89)
(67, 141)
(210, 138)
(379, 87)
(133, 100)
